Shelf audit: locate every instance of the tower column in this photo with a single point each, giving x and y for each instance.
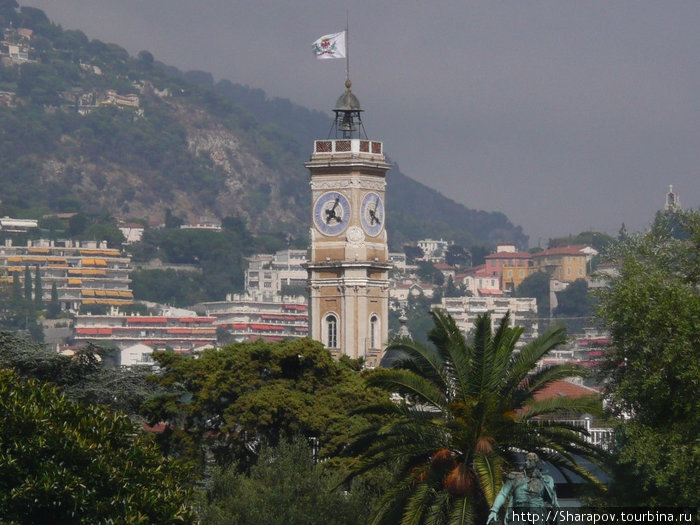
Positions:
(348, 261)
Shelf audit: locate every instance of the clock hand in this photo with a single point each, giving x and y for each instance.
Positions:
(330, 214)
(373, 213)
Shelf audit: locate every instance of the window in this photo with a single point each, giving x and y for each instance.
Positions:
(373, 331)
(331, 331)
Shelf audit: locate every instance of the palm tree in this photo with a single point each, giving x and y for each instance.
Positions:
(468, 411)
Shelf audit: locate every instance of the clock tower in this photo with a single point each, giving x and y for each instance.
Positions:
(348, 264)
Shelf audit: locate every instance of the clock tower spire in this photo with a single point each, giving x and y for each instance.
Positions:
(348, 264)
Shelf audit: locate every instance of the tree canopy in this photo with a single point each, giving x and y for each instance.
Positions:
(87, 376)
(231, 401)
(287, 487)
(66, 463)
(536, 285)
(652, 309)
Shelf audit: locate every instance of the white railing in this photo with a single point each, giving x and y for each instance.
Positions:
(335, 146)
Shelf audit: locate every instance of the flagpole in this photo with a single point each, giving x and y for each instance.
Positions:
(347, 46)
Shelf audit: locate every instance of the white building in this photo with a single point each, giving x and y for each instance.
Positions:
(246, 318)
(465, 310)
(433, 250)
(7, 224)
(135, 355)
(268, 274)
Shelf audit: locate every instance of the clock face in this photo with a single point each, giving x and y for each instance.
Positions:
(332, 213)
(372, 213)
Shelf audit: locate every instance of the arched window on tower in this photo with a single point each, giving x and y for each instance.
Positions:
(331, 331)
(374, 331)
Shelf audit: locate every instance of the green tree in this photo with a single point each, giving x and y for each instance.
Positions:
(246, 394)
(85, 377)
(429, 274)
(451, 289)
(27, 285)
(536, 285)
(38, 292)
(66, 463)
(457, 255)
(652, 310)
(468, 409)
(16, 288)
(284, 487)
(54, 307)
(412, 253)
(575, 306)
(17, 313)
(105, 231)
(599, 241)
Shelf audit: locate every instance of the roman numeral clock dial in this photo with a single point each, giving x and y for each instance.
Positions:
(372, 214)
(331, 213)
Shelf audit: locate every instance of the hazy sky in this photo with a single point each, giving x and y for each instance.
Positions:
(564, 115)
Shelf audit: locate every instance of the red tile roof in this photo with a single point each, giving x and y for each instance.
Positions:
(564, 250)
(564, 389)
(509, 255)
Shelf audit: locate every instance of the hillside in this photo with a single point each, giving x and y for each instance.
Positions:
(86, 127)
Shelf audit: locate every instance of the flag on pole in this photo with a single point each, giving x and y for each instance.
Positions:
(330, 46)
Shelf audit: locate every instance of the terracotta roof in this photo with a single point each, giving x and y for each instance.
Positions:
(509, 255)
(564, 389)
(564, 250)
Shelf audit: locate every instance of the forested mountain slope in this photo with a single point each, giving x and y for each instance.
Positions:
(86, 127)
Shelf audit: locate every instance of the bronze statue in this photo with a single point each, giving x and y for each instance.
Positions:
(530, 496)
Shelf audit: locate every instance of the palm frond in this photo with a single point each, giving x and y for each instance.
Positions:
(522, 363)
(439, 510)
(449, 341)
(562, 406)
(418, 504)
(409, 383)
(462, 511)
(488, 471)
(481, 356)
(546, 375)
(420, 358)
(503, 347)
(391, 504)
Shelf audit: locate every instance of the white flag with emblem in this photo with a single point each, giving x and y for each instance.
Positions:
(330, 46)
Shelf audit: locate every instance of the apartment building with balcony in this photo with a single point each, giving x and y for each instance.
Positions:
(247, 319)
(523, 312)
(180, 331)
(267, 275)
(84, 272)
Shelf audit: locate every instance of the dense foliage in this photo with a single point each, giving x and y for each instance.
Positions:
(89, 376)
(235, 399)
(286, 486)
(66, 463)
(468, 409)
(536, 285)
(575, 306)
(652, 309)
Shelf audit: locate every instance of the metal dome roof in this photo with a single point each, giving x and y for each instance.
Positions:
(347, 101)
